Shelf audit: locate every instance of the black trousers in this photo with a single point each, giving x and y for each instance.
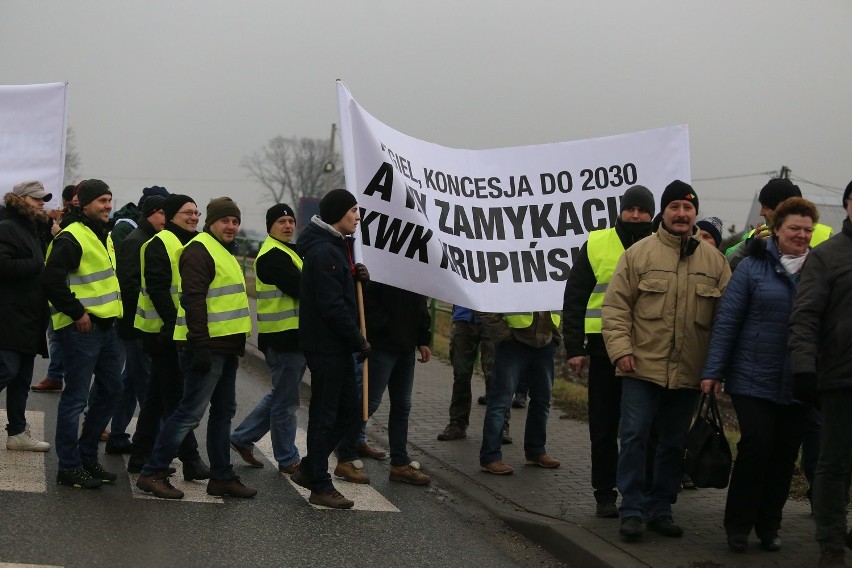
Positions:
(766, 454)
(604, 416)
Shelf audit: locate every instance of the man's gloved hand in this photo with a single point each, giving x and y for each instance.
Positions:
(200, 361)
(805, 389)
(365, 350)
(360, 273)
(166, 335)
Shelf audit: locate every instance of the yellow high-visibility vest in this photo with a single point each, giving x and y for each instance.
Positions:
(525, 319)
(227, 301)
(604, 249)
(147, 318)
(93, 282)
(276, 311)
(821, 234)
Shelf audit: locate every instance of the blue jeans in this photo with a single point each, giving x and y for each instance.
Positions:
(216, 387)
(276, 412)
(136, 376)
(334, 410)
(16, 374)
(393, 371)
(56, 368)
(513, 360)
(642, 402)
(97, 353)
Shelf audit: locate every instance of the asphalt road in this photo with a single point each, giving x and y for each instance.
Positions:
(48, 525)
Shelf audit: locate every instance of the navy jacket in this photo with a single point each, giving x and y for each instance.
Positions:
(748, 348)
(328, 312)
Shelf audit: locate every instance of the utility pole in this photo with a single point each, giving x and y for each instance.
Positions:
(785, 173)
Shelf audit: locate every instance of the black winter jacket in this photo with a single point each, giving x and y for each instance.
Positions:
(397, 320)
(821, 324)
(276, 267)
(128, 269)
(580, 285)
(22, 299)
(328, 312)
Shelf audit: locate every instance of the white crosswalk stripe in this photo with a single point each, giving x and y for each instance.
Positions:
(13, 565)
(366, 497)
(24, 471)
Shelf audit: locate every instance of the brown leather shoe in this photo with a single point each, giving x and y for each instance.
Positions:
(330, 498)
(408, 474)
(247, 455)
(347, 471)
(233, 487)
(497, 468)
(543, 460)
(288, 470)
(365, 450)
(47, 385)
(453, 431)
(159, 485)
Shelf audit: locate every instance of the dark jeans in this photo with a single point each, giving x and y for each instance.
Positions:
(643, 402)
(56, 368)
(810, 447)
(97, 353)
(16, 374)
(766, 455)
(334, 410)
(831, 483)
(394, 372)
(467, 339)
(604, 415)
(137, 373)
(512, 360)
(165, 389)
(216, 388)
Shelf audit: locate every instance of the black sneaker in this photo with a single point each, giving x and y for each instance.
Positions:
(665, 526)
(78, 478)
(97, 471)
(631, 528)
(114, 449)
(507, 437)
(195, 469)
(453, 431)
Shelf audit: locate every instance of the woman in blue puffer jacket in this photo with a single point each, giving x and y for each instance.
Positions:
(748, 352)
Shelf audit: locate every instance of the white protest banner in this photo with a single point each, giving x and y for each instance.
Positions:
(32, 136)
(493, 230)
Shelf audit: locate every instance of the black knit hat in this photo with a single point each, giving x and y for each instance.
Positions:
(678, 191)
(91, 189)
(276, 212)
(334, 205)
(152, 204)
(846, 194)
(219, 208)
(153, 190)
(712, 225)
(173, 203)
(638, 196)
(777, 190)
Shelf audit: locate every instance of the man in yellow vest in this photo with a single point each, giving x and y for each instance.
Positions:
(80, 283)
(770, 197)
(155, 316)
(278, 272)
(212, 325)
(524, 345)
(581, 312)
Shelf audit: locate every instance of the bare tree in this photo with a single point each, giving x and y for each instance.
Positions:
(72, 157)
(292, 168)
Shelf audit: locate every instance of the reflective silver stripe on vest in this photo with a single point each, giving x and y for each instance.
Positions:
(147, 314)
(180, 321)
(269, 294)
(225, 290)
(278, 316)
(100, 300)
(89, 278)
(593, 313)
(226, 316)
(600, 288)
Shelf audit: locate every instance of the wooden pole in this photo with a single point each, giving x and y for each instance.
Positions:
(364, 376)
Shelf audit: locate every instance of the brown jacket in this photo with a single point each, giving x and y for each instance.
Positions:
(660, 306)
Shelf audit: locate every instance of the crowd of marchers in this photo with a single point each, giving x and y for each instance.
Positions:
(140, 307)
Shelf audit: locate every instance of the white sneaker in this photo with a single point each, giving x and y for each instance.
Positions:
(24, 443)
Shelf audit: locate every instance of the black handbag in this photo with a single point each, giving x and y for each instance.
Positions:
(707, 457)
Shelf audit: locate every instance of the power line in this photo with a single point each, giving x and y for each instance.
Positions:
(770, 173)
(820, 185)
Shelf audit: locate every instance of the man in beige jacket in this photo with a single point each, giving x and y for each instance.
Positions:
(657, 315)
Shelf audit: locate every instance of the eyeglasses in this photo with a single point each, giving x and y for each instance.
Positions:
(190, 213)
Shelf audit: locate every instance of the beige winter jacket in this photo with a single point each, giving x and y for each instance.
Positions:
(660, 305)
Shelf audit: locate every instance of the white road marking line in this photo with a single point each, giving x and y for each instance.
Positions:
(14, 565)
(24, 471)
(366, 497)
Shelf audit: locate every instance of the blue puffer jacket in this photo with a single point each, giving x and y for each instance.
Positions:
(748, 348)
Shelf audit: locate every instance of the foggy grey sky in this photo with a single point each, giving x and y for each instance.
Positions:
(177, 93)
